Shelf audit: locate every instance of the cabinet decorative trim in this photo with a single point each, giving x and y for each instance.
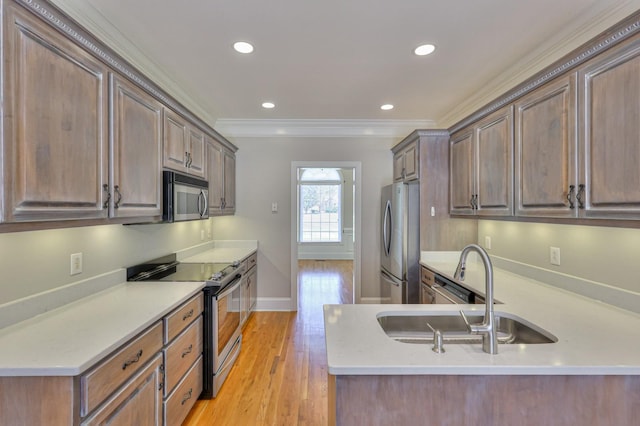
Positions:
(59, 20)
(608, 39)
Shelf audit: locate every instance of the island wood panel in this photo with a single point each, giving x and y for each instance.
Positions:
(484, 400)
(55, 115)
(546, 150)
(55, 401)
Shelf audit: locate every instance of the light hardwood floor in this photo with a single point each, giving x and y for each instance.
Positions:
(280, 377)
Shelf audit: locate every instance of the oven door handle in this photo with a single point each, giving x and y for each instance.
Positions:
(231, 287)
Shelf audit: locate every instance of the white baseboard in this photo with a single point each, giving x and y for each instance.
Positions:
(325, 256)
(274, 304)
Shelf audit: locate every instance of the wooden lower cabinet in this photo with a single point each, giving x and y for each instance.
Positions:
(138, 384)
(483, 400)
(139, 402)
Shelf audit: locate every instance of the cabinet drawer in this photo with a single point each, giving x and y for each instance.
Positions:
(137, 402)
(252, 261)
(177, 321)
(98, 384)
(427, 276)
(181, 354)
(180, 402)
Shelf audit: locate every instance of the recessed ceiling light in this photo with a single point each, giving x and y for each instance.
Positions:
(268, 105)
(425, 49)
(386, 107)
(243, 47)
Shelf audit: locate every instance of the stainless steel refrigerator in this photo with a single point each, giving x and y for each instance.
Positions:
(400, 255)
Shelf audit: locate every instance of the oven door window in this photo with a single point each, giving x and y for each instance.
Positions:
(228, 318)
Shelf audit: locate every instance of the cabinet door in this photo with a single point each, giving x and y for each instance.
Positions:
(138, 402)
(411, 162)
(215, 173)
(176, 141)
(610, 134)
(494, 164)
(136, 187)
(461, 173)
(197, 163)
(398, 167)
(545, 150)
(55, 124)
(229, 182)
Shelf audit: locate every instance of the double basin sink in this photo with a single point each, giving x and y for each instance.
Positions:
(418, 328)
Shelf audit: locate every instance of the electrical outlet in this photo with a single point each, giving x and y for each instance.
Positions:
(274, 207)
(76, 264)
(487, 242)
(554, 255)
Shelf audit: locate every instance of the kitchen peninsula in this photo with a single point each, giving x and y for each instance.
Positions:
(590, 375)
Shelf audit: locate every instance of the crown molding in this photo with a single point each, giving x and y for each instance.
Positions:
(87, 16)
(550, 59)
(247, 128)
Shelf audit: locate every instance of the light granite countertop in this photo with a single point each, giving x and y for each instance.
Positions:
(593, 338)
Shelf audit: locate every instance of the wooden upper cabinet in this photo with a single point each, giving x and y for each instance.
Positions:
(184, 148)
(55, 150)
(215, 171)
(481, 168)
(221, 172)
(176, 141)
(406, 164)
(136, 188)
(546, 150)
(461, 173)
(197, 163)
(229, 182)
(494, 164)
(610, 133)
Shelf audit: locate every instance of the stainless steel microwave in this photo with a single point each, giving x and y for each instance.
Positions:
(184, 197)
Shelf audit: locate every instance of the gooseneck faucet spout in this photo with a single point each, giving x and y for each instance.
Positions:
(487, 328)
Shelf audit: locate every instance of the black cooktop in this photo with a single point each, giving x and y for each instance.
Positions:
(167, 268)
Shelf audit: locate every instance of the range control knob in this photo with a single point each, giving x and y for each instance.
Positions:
(217, 276)
(235, 264)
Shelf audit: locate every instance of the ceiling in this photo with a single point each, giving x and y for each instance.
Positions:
(342, 59)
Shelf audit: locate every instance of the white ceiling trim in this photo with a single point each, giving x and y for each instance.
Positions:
(557, 47)
(96, 24)
(245, 128)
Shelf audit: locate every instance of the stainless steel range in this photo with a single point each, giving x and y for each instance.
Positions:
(222, 333)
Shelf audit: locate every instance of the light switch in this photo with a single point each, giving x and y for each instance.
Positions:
(274, 207)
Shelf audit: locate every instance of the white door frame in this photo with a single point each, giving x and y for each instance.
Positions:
(357, 166)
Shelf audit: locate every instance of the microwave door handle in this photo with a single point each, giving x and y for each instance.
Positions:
(202, 203)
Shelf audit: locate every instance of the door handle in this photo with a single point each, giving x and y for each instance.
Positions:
(386, 234)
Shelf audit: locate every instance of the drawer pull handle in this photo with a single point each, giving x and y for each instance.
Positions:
(133, 360)
(187, 396)
(187, 315)
(188, 351)
(161, 377)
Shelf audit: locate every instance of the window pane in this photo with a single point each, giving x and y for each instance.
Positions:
(320, 213)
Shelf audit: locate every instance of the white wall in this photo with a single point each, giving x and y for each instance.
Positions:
(38, 261)
(601, 254)
(263, 176)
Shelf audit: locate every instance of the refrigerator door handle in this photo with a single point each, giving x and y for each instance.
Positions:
(389, 279)
(386, 233)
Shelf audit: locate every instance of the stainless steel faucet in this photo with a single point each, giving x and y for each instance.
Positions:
(487, 328)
